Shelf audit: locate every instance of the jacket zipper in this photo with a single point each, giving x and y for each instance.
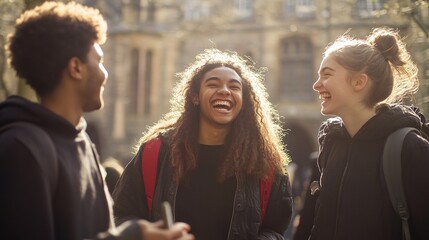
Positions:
(233, 208)
(337, 217)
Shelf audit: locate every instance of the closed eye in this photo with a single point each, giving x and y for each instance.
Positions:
(235, 87)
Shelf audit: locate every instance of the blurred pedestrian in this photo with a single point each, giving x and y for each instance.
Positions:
(299, 145)
(306, 213)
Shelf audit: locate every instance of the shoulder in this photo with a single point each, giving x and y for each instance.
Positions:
(417, 143)
(11, 143)
(415, 155)
(329, 127)
(27, 133)
(28, 144)
(152, 149)
(282, 184)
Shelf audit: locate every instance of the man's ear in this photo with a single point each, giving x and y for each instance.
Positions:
(75, 68)
(360, 82)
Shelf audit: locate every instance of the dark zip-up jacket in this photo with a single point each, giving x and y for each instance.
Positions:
(130, 200)
(353, 202)
(78, 207)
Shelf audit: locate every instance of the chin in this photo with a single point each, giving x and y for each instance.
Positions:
(100, 105)
(325, 112)
(94, 107)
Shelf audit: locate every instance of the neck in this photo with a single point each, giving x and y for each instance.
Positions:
(356, 119)
(64, 105)
(210, 135)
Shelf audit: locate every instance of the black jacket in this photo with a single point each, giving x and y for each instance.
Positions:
(353, 202)
(79, 207)
(130, 200)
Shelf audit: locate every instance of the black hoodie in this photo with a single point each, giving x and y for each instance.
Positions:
(353, 202)
(79, 207)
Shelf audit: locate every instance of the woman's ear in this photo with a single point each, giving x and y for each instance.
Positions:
(360, 82)
(195, 100)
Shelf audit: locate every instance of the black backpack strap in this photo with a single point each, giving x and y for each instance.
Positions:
(33, 137)
(393, 175)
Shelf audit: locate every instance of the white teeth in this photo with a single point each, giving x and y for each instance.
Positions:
(324, 96)
(222, 103)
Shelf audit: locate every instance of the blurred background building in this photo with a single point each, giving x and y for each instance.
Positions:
(151, 40)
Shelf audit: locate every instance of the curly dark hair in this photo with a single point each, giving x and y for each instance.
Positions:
(48, 36)
(254, 143)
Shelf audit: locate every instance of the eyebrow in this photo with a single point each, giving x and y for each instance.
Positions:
(217, 79)
(326, 68)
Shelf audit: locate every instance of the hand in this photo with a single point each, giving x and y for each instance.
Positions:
(154, 231)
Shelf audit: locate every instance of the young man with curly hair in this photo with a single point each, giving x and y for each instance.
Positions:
(50, 179)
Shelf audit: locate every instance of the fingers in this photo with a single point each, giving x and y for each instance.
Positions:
(181, 226)
(180, 231)
(187, 237)
(154, 230)
(158, 224)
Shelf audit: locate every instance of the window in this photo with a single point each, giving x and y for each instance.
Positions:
(244, 8)
(91, 3)
(140, 89)
(135, 8)
(296, 77)
(196, 9)
(111, 9)
(134, 92)
(299, 8)
(151, 9)
(422, 14)
(147, 82)
(368, 8)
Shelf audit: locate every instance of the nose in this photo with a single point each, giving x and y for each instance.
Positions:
(317, 85)
(224, 90)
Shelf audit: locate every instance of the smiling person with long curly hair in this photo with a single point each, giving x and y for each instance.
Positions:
(220, 139)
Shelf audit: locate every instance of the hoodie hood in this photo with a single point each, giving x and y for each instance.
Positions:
(388, 119)
(16, 109)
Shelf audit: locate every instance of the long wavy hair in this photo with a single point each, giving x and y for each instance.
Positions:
(253, 145)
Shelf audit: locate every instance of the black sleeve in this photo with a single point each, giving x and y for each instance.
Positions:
(415, 164)
(129, 194)
(25, 202)
(279, 209)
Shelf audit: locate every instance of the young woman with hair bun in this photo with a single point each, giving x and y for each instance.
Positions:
(364, 83)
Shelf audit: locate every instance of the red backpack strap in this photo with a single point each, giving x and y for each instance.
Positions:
(150, 167)
(265, 191)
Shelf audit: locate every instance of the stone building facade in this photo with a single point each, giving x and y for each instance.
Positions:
(151, 40)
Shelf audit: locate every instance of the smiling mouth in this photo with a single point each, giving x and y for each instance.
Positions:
(222, 105)
(324, 96)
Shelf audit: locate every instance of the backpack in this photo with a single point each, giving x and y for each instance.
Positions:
(149, 171)
(46, 156)
(393, 175)
(392, 171)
